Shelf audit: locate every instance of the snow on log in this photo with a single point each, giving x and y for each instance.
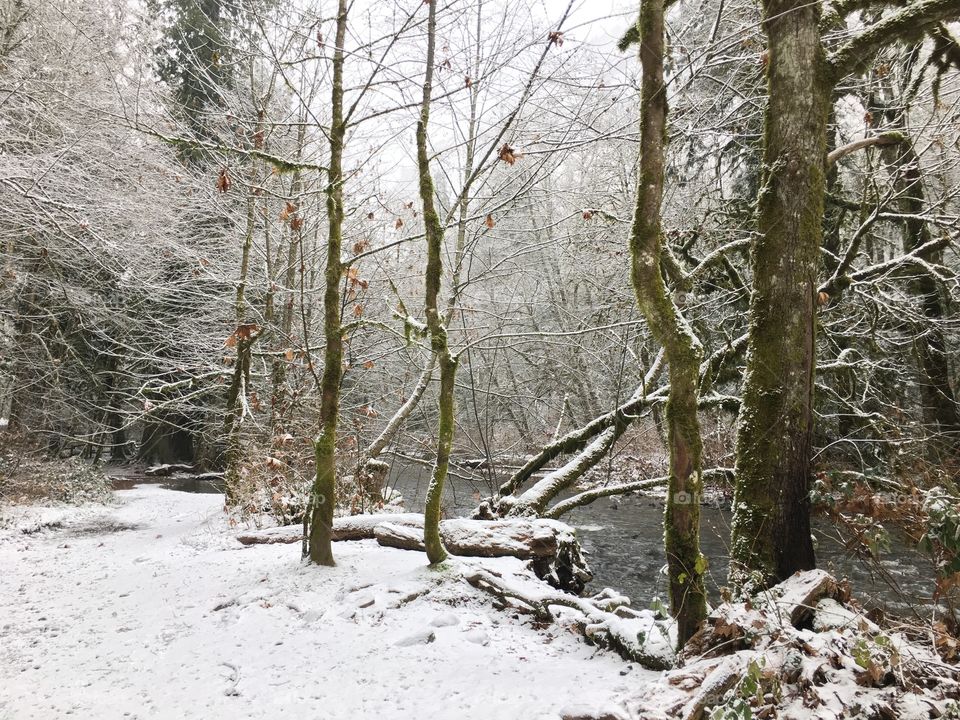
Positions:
(168, 469)
(363, 527)
(270, 536)
(354, 527)
(797, 596)
(522, 538)
(402, 537)
(605, 619)
(499, 538)
(478, 538)
(790, 604)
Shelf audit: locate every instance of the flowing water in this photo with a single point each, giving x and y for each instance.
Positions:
(624, 539)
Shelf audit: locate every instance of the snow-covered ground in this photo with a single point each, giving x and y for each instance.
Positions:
(151, 609)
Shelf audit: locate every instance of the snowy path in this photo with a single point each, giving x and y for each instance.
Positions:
(152, 610)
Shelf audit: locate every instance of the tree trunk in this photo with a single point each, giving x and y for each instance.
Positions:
(237, 390)
(685, 564)
(433, 231)
(771, 523)
(323, 493)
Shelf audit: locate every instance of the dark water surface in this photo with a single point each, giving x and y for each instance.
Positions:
(624, 539)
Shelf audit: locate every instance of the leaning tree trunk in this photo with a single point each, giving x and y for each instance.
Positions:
(771, 522)
(685, 564)
(323, 493)
(433, 231)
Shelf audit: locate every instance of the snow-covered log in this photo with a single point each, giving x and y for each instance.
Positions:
(354, 527)
(605, 619)
(796, 597)
(168, 469)
(551, 546)
(477, 538)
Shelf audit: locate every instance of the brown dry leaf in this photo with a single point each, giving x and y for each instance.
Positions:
(368, 365)
(223, 181)
(507, 154)
(296, 223)
(360, 246)
(587, 215)
(230, 341)
(357, 310)
(398, 224)
(247, 331)
(489, 221)
(823, 298)
(369, 216)
(288, 210)
(556, 38)
(468, 81)
(288, 354)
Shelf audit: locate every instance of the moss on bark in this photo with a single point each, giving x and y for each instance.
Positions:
(433, 231)
(771, 523)
(685, 564)
(323, 493)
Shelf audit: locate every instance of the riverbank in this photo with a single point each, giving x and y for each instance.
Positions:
(150, 608)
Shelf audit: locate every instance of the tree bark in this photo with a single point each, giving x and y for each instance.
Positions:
(686, 565)
(323, 492)
(771, 523)
(433, 230)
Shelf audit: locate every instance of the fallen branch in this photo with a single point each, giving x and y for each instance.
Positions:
(605, 619)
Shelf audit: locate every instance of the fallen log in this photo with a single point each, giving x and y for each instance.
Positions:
(605, 619)
(524, 539)
(354, 527)
(168, 469)
(797, 596)
(551, 546)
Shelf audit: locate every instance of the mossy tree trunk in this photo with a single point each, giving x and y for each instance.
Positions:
(682, 521)
(771, 523)
(433, 231)
(323, 492)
